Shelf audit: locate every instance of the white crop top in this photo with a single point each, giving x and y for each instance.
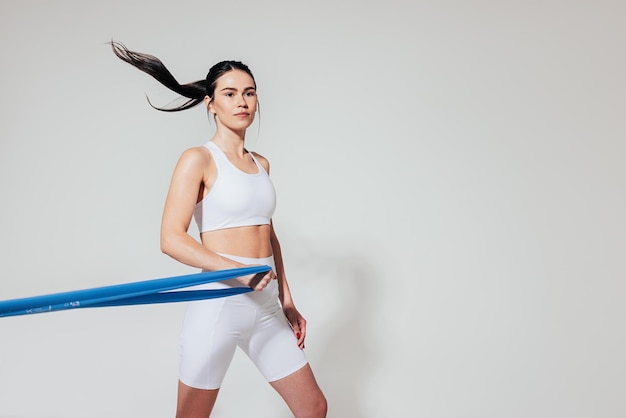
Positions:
(236, 198)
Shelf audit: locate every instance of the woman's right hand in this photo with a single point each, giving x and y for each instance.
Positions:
(258, 281)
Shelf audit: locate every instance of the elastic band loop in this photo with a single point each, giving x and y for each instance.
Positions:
(135, 293)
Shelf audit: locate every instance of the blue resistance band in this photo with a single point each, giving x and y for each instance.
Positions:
(136, 293)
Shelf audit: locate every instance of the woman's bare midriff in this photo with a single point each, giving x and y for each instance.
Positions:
(245, 241)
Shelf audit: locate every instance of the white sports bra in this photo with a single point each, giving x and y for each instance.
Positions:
(236, 198)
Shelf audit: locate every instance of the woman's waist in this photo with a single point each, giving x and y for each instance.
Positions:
(267, 260)
(270, 290)
(248, 242)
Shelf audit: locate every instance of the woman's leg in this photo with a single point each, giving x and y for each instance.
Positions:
(207, 347)
(302, 394)
(195, 403)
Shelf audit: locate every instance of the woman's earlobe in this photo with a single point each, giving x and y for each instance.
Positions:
(207, 102)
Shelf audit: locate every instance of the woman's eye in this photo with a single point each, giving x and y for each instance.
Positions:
(251, 94)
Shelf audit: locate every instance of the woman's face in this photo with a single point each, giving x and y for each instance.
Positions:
(234, 101)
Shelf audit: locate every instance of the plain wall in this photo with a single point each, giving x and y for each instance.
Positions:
(451, 186)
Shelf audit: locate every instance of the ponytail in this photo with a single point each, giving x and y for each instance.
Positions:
(195, 91)
(151, 65)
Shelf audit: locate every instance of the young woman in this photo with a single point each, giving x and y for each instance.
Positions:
(226, 188)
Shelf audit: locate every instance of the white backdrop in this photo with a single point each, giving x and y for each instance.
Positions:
(451, 188)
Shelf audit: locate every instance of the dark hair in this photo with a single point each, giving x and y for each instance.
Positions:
(195, 91)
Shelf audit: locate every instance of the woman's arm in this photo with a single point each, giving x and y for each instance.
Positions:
(189, 177)
(297, 321)
(187, 180)
(284, 294)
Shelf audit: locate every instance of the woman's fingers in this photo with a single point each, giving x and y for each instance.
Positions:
(259, 281)
(298, 324)
(302, 327)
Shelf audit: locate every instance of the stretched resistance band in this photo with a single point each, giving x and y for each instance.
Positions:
(136, 293)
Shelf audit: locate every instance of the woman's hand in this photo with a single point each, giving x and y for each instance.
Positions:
(297, 322)
(258, 281)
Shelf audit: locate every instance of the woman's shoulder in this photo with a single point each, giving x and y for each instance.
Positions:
(199, 152)
(262, 160)
(195, 156)
(259, 157)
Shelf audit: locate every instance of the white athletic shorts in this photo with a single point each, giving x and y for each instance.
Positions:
(254, 321)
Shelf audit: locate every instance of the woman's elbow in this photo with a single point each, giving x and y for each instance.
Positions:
(167, 242)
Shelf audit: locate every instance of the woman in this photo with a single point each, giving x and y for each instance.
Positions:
(227, 190)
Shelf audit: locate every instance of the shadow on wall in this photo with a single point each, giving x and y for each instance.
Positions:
(338, 292)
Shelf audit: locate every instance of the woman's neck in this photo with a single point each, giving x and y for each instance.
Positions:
(230, 141)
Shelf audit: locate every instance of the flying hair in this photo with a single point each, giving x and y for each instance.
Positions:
(194, 92)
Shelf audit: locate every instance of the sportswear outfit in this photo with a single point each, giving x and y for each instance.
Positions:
(254, 321)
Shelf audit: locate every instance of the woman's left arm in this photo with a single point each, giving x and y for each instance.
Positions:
(297, 321)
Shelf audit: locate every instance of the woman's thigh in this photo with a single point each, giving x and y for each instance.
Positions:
(302, 393)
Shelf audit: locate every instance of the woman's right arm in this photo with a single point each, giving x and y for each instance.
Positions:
(187, 180)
